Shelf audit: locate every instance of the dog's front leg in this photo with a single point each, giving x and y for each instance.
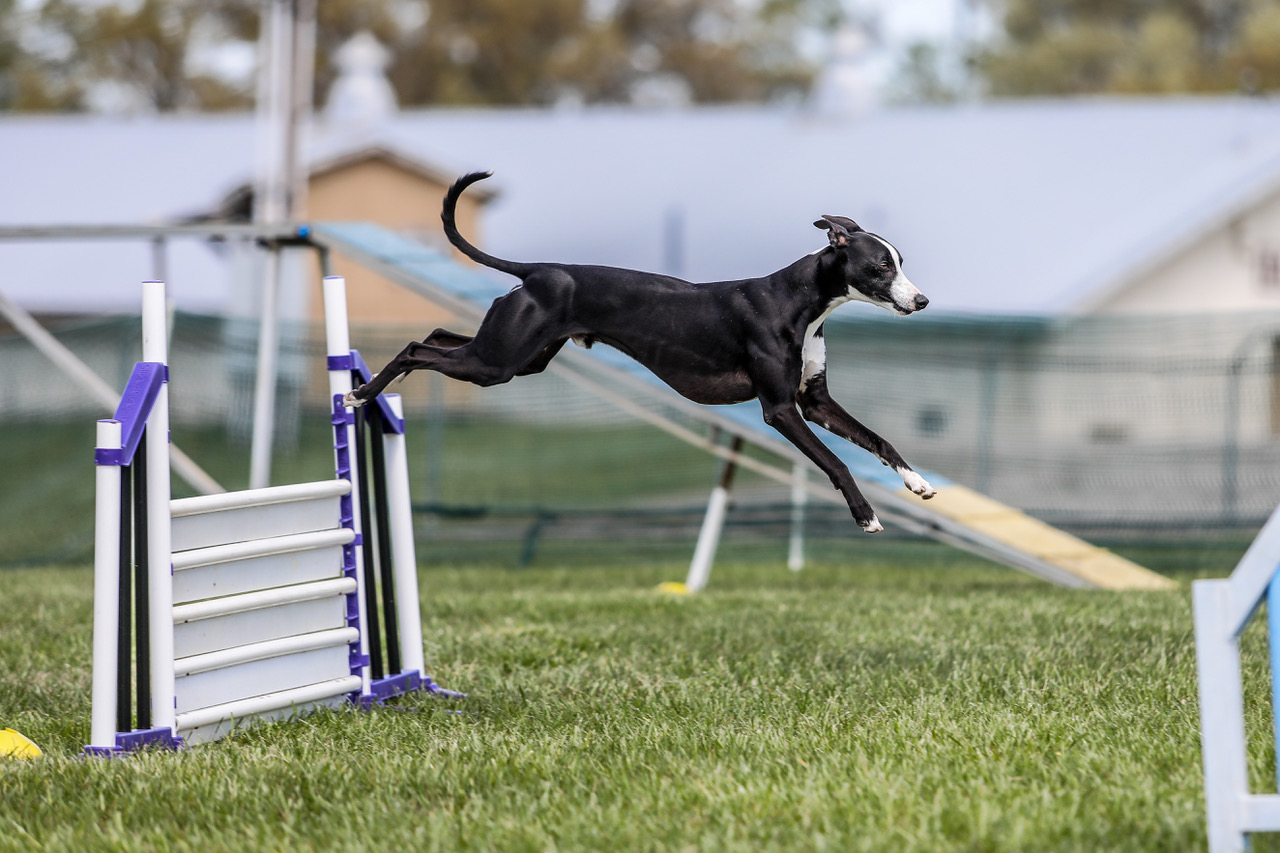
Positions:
(818, 406)
(786, 419)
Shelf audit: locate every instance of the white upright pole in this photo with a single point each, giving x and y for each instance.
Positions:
(704, 553)
(338, 344)
(277, 158)
(799, 497)
(155, 348)
(403, 558)
(1222, 734)
(106, 591)
(264, 394)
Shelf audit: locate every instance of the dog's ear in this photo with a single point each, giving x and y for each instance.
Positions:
(839, 229)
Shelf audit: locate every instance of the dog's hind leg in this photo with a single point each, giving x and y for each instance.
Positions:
(447, 339)
(542, 359)
(517, 335)
(817, 406)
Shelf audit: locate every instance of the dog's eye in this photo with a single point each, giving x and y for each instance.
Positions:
(883, 265)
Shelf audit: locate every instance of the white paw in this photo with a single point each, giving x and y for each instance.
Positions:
(874, 527)
(351, 401)
(916, 483)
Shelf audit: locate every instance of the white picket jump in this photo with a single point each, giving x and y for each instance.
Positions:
(259, 617)
(1223, 608)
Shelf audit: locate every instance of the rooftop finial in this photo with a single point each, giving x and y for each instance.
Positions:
(361, 95)
(845, 87)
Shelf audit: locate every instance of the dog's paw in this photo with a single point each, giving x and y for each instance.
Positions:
(873, 526)
(916, 484)
(351, 401)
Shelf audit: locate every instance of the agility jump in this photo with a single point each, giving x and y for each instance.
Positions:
(269, 606)
(1223, 609)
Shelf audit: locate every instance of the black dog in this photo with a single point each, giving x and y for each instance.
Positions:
(713, 343)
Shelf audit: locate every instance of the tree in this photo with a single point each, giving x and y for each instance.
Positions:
(444, 51)
(135, 56)
(1073, 47)
(517, 52)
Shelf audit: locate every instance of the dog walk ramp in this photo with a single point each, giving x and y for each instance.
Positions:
(957, 515)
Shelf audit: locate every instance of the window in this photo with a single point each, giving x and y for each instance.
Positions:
(1269, 268)
(931, 421)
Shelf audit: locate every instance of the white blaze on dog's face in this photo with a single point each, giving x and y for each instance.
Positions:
(906, 296)
(873, 266)
(881, 280)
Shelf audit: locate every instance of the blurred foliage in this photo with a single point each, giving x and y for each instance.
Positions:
(138, 54)
(153, 54)
(1076, 47)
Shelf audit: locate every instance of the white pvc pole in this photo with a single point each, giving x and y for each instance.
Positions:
(264, 392)
(403, 558)
(155, 348)
(704, 554)
(106, 591)
(799, 497)
(338, 343)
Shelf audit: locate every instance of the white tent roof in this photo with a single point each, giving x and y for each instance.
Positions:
(1019, 207)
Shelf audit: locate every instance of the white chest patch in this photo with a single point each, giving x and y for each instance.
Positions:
(813, 353)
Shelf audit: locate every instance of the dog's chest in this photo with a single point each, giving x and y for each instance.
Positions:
(813, 354)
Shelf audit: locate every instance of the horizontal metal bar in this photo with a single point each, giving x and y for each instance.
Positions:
(202, 504)
(268, 702)
(262, 651)
(234, 551)
(259, 600)
(113, 231)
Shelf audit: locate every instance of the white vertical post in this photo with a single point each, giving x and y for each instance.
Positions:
(106, 591)
(704, 553)
(155, 348)
(799, 497)
(338, 344)
(264, 393)
(403, 558)
(1222, 736)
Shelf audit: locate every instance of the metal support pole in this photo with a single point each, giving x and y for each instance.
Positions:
(704, 553)
(799, 497)
(264, 394)
(372, 629)
(382, 517)
(142, 585)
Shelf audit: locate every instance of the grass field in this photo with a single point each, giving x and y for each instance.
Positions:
(904, 698)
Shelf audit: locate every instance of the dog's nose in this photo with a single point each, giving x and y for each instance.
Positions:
(921, 301)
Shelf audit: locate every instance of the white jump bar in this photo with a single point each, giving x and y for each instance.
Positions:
(268, 702)
(234, 551)
(261, 599)
(202, 504)
(223, 658)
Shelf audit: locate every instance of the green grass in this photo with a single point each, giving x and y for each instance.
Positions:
(918, 700)
(49, 520)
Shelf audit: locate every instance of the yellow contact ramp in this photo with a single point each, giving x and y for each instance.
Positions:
(1095, 566)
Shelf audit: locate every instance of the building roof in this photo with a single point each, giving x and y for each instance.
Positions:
(1011, 207)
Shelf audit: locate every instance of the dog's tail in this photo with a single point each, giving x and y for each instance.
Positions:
(448, 217)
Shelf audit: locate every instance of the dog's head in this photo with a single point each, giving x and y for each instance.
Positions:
(872, 267)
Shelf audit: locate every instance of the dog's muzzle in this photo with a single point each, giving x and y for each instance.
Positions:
(916, 303)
